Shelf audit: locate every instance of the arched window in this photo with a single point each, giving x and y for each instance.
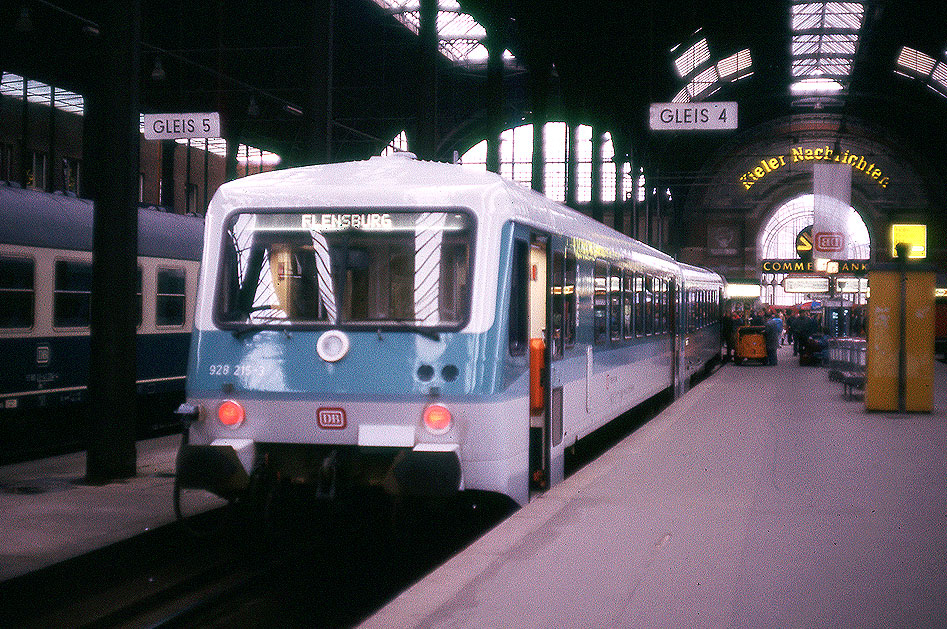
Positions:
(516, 160)
(778, 242)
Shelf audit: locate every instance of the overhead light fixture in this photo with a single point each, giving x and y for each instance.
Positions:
(158, 73)
(23, 23)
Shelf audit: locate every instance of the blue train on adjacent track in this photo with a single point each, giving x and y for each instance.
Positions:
(45, 294)
(423, 328)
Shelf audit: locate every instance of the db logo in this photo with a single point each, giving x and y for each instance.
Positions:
(829, 241)
(331, 418)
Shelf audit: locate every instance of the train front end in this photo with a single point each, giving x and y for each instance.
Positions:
(333, 346)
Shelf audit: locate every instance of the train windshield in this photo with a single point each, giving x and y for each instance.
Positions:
(371, 268)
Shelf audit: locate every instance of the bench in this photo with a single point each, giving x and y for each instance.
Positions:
(846, 363)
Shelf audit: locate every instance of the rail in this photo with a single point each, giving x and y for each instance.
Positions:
(846, 363)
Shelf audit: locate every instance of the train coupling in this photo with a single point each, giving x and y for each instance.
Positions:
(188, 414)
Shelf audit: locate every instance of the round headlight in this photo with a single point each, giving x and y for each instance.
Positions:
(332, 346)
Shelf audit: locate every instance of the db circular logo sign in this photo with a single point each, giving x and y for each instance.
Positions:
(829, 241)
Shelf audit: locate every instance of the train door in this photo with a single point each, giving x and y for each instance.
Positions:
(539, 452)
(678, 327)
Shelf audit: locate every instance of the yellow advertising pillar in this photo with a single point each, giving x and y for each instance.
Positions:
(899, 374)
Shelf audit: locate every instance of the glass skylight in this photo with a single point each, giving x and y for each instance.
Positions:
(736, 66)
(516, 160)
(460, 37)
(827, 15)
(916, 61)
(824, 42)
(924, 68)
(693, 58)
(12, 85)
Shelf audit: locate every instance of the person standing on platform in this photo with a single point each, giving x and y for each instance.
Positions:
(800, 332)
(774, 330)
(790, 324)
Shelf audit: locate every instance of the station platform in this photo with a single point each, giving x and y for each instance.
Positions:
(761, 498)
(47, 514)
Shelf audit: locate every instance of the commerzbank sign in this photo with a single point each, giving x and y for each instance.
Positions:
(825, 153)
(808, 266)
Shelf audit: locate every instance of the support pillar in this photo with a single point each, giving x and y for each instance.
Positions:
(496, 44)
(112, 158)
(424, 145)
(318, 111)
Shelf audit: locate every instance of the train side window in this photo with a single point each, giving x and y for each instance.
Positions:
(614, 301)
(650, 316)
(662, 291)
(600, 301)
(639, 305)
(169, 303)
(138, 295)
(628, 303)
(519, 298)
(558, 302)
(569, 301)
(17, 290)
(72, 294)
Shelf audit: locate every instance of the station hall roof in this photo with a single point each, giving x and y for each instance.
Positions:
(881, 62)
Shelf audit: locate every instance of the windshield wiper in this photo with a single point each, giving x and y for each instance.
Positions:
(253, 329)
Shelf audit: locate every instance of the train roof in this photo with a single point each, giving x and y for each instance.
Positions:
(695, 274)
(32, 218)
(403, 180)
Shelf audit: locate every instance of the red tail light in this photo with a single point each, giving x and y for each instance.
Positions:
(437, 419)
(231, 414)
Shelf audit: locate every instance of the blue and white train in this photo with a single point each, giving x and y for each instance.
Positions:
(45, 294)
(423, 328)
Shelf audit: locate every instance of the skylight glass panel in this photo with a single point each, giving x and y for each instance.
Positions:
(735, 66)
(703, 82)
(683, 96)
(940, 76)
(460, 36)
(12, 85)
(824, 44)
(693, 58)
(816, 86)
(831, 15)
(916, 61)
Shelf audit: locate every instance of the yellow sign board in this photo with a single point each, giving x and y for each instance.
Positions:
(915, 236)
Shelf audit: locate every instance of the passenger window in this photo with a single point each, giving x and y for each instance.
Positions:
(72, 294)
(568, 302)
(138, 295)
(628, 305)
(600, 301)
(639, 305)
(519, 287)
(169, 304)
(614, 299)
(558, 302)
(16, 292)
